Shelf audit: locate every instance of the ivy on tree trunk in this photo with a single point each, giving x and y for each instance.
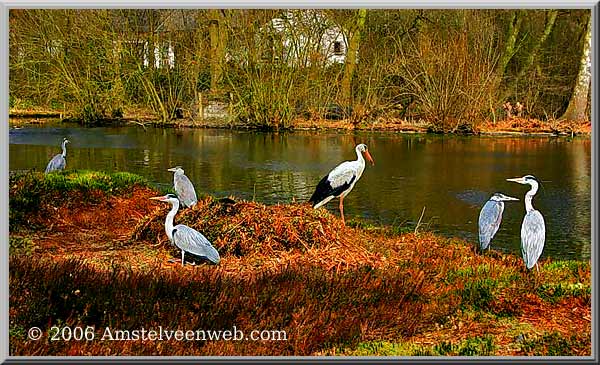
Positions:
(350, 64)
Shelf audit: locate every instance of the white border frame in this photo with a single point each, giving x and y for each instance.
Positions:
(6, 5)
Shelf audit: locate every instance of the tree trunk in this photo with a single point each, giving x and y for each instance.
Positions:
(511, 40)
(578, 103)
(351, 55)
(218, 39)
(550, 20)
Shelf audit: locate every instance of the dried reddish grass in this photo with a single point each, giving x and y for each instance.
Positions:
(283, 267)
(380, 124)
(512, 125)
(531, 125)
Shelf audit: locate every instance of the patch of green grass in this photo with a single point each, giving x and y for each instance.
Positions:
(402, 229)
(164, 190)
(355, 223)
(479, 293)
(483, 288)
(476, 346)
(84, 180)
(555, 292)
(393, 230)
(17, 332)
(28, 191)
(560, 265)
(21, 245)
(380, 348)
(555, 344)
(565, 270)
(472, 346)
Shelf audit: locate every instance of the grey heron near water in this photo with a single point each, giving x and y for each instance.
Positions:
(340, 181)
(59, 161)
(185, 238)
(533, 229)
(183, 187)
(490, 218)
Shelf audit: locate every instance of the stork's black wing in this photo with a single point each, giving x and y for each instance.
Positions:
(332, 186)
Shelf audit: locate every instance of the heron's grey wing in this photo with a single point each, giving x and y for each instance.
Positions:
(192, 241)
(533, 235)
(57, 163)
(490, 218)
(185, 190)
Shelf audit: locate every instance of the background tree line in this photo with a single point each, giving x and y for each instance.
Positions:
(448, 67)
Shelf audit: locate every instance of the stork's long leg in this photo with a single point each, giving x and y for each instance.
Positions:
(182, 258)
(342, 209)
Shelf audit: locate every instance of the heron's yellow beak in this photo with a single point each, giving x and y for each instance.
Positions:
(368, 155)
(161, 198)
(519, 180)
(172, 169)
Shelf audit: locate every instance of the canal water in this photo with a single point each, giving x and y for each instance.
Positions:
(447, 178)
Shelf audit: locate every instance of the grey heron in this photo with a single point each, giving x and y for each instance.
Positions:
(59, 161)
(183, 187)
(533, 229)
(340, 181)
(490, 218)
(185, 238)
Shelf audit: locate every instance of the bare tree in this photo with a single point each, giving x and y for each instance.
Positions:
(578, 103)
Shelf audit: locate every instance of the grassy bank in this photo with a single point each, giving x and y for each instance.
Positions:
(89, 249)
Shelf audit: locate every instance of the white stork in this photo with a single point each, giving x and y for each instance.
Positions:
(340, 181)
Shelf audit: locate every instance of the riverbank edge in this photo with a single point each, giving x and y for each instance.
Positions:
(487, 128)
(495, 307)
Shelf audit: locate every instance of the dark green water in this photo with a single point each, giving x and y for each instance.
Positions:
(451, 177)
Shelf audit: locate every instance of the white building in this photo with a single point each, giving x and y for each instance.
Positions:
(305, 36)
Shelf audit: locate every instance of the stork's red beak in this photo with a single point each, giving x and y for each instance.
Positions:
(369, 157)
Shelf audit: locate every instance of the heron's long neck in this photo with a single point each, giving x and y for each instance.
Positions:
(529, 196)
(169, 220)
(64, 149)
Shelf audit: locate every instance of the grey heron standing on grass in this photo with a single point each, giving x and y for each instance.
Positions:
(183, 187)
(533, 229)
(185, 238)
(490, 218)
(340, 181)
(59, 161)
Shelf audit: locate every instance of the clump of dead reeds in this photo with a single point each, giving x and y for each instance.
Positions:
(269, 233)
